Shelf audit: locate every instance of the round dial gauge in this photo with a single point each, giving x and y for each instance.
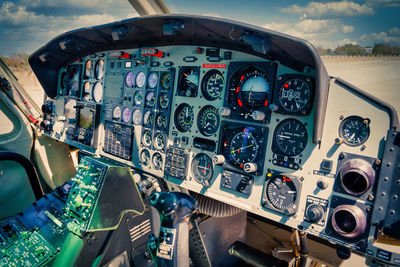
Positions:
(99, 69)
(148, 118)
(243, 148)
(252, 89)
(116, 113)
(208, 120)
(129, 79)
(137, 116)
(202, 168)
(290, 138)
(294, 95)
(354, 130)
(88, 68)
(97, 92)
(281, 193)
(184, 117)
(157, 161)
(161, 121)
(212, 85)
(87, 91)
(150, 99)
(153, 80)
(188, 82)
(145, 157)
(138, 98)
(146, 138)
(126, 115)
(159, 141)
(163, 100)
(166, 80)
(140, 79)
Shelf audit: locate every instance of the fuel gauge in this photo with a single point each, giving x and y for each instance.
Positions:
(354, 130)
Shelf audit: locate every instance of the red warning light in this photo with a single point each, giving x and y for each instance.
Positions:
(241, 78)
(241, 165)
(266, 103)
(240, 103)
(237, 89)
(286, 85)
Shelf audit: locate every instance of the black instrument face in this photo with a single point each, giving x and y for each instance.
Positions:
(184, 117)
(354, 130)
(212, 85)
(161, 121)
(99, 69)
(145, 157)
(208, 120)
(150, 99)
(188, 81)
(88, 68)
(148, 118)
(290, 138)
(202, 168)
(281, 192)
(157, 161)
(294, 95)
(166, 80)
(163, 100)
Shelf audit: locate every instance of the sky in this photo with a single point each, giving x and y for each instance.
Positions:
(26, 25)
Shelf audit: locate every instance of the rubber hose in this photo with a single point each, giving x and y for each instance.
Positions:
(214, 208)
(303, 248)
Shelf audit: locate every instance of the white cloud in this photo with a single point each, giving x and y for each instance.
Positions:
(12, 14)
(394, 32)
(347, 28)
(391, 37)
(329, 10)
(383, 3)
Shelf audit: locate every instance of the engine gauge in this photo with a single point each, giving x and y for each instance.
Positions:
(243, 148)
(99, 69)
(184, 117)
(281, 194)
(148, 118)
(129, 79)
(212, 85)
(354, 130)
(150, 99)
(138, 98)
(97, 92)
(87, 91)
(140, 79)
(166, 80)
(294, 95)
(188, 81)
(290, 138)
(137, 116)
(202, 169)
(152, 80)
(88, 68)
(126, 115)
(159, 142)
(145, 157)
(163, 100)
(146, 138)
(161, 121)
(116, 113)
(157, 161)
(208, 120)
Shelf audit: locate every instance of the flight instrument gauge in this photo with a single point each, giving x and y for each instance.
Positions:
(290, 138)
(148, 118)
(354, 130)
(188, 81)
(129, 79)
(159, 142)
(252, 89)
(138, 98)
(153, 80)
(146, 138)
(294, 95)
(208, 120)
(99, 69)
(184, 117)
(88, 68)
(145, 157)
(161, 121)
(87, 91)
(97, 92)
(137, 116)
(212, 85)
(140, 79)
(150, 99)
(126, 115)
(117, 113)
(163, 100)
(243, 148)
(281, 194)
(157, 161)
(202, 169)
(166, 80)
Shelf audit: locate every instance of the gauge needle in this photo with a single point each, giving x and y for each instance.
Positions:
(205, 168)
(238, 150)
(352, 136)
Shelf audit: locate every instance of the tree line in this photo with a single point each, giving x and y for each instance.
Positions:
(357, 50)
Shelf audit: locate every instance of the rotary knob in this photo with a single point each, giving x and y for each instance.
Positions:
(314, 213)
(218, 159)
(223, 111)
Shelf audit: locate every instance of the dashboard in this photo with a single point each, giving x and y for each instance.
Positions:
(257, 132)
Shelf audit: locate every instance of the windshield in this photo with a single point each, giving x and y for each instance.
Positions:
(359, 40)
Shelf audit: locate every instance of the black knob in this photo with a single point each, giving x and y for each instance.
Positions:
(315, 213)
